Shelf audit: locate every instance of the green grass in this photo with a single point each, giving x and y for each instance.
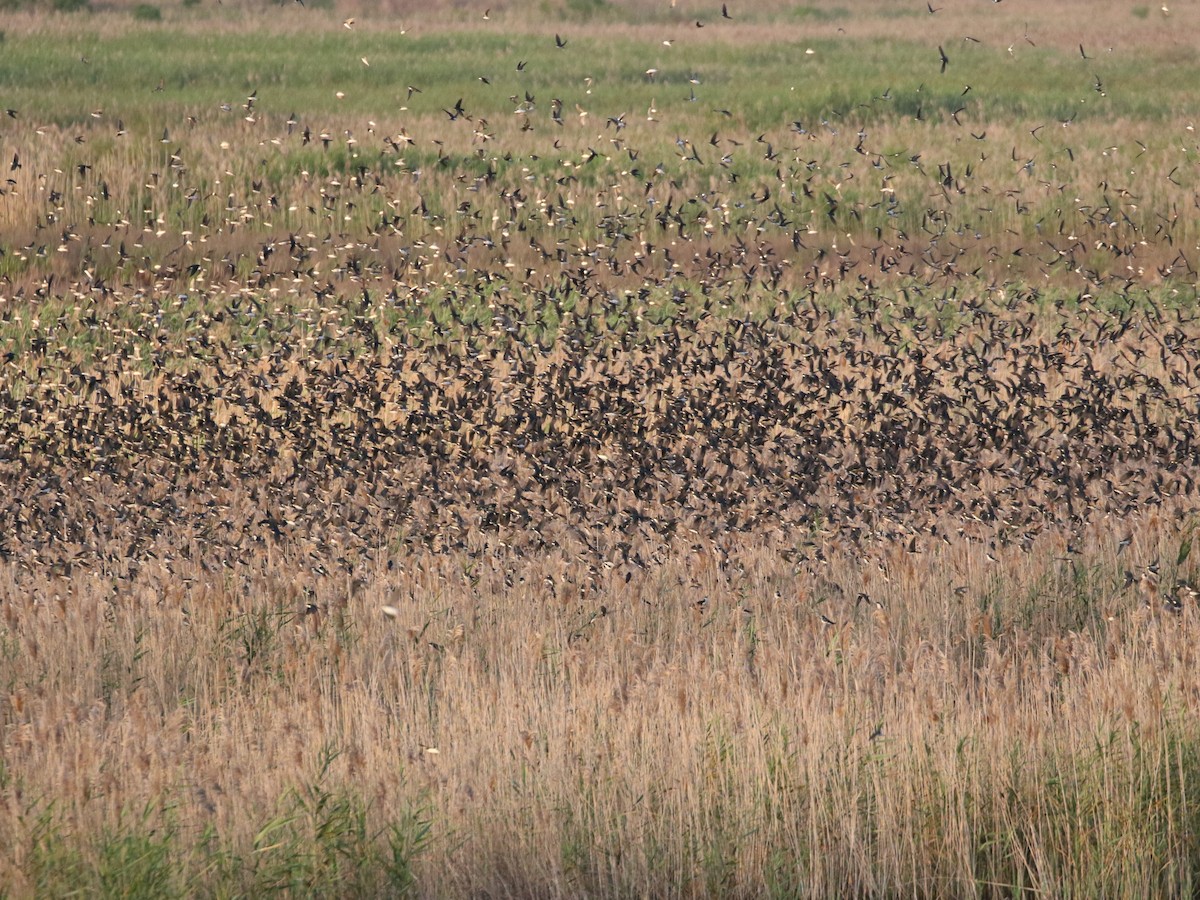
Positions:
(320, 840)
(851, 116)
(767, 86)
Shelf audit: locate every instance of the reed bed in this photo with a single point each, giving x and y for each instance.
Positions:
(958, 722)
(598, 449)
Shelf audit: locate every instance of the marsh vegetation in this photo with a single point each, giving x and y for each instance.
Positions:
(599, 449)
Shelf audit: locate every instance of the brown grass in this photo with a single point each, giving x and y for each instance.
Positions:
(542, 525)
(968, 726)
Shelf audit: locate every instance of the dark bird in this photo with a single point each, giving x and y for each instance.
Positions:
(559, 42)
(725, 12)
(944, 57)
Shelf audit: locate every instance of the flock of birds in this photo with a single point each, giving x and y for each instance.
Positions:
(817, 202)
(672, 376)
(872, 422)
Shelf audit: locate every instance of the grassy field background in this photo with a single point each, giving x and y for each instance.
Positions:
(722, 457)
(1075, 146)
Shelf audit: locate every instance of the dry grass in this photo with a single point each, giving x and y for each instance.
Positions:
(777, 478)
(968, 726)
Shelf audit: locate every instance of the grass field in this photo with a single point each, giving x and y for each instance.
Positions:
(599, 448)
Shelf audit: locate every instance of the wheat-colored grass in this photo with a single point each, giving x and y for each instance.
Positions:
(968, 725)
(288, 606)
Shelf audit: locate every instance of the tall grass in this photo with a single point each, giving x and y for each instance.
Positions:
(736, 714)
(954, 723)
